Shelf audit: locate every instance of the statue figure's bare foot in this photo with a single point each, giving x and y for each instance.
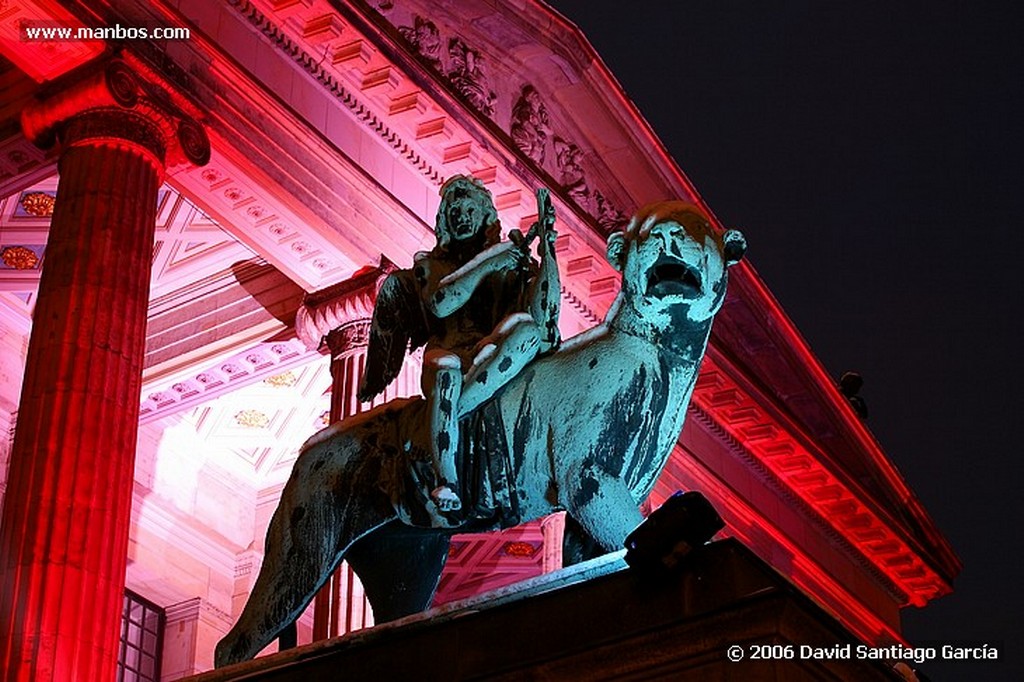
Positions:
(446, 499)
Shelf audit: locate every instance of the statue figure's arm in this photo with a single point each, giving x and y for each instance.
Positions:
(449, 293)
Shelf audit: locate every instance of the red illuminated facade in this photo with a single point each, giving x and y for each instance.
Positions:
(181, 323)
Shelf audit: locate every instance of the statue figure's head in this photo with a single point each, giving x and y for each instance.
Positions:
(672, 261)
(466, 216)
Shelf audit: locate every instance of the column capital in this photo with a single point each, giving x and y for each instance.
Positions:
(115, 103)
(350, 336)
(330, 309)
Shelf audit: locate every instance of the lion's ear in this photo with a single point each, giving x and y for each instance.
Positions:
(734, 245)
(616, 252)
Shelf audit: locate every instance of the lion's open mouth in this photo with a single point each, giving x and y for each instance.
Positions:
(672, 277)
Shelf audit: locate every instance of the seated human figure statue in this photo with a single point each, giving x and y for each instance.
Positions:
(481, 306)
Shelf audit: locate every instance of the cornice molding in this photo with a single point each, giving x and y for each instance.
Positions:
(763, 536)
(793, 501)
(847, 510)
(314, 67)
(192, 610)
(224, 375)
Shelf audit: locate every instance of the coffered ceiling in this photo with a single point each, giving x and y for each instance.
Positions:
(279, 394)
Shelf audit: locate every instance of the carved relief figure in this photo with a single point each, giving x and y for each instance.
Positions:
(530, 125)
(587, 429)
(609, 217)
(467, 76)
(425, 40)
(570, 172)
(483, 309)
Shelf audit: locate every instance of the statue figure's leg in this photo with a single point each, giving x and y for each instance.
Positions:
(400, 568)
(503, 354)
(442, 386)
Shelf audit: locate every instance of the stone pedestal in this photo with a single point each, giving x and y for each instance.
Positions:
(64, 534)
(594, 621)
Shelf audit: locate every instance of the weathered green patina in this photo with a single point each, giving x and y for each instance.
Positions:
(586, 429)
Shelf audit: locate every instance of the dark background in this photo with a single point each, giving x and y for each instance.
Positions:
(872, 154)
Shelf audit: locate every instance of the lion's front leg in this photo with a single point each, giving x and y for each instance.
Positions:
(330, 501)
(602, 505)
(577, 544)
(400, 568)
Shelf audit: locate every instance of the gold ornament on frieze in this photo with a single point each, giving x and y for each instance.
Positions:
(282, 380)
(39, 204)
(252, 419)
(19, 258)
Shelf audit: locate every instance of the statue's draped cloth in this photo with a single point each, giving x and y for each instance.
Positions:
(487, 485)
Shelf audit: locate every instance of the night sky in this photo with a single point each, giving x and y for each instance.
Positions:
(869, 151)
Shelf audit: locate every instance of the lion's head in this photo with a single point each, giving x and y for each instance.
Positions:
(673, 263)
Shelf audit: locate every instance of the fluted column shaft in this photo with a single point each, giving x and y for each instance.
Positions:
(64, 537)
(348, 345)
(66, 515)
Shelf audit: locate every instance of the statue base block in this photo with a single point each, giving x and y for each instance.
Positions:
(595, 621)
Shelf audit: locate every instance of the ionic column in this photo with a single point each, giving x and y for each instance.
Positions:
(64, 533)
(347, 344)
(340, 317)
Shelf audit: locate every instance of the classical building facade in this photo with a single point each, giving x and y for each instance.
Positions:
(188, 302)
